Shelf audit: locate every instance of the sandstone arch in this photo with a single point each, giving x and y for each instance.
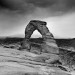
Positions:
(49, 42)
(37, 25)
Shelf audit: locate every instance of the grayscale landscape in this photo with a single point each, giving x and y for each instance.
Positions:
(34, 62)
(37, 37)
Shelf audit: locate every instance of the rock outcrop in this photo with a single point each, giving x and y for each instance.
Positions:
(49, 44)
(15, 62)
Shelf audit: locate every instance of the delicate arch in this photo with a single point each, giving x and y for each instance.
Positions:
(49, 42)
(37, 25)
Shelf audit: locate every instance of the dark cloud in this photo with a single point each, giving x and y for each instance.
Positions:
(11, 4)
(15, 14)
(42, 3)
(20, 6)
(48, 3)
(56, 5)
(27, 7)
(70, 3)
(30, 5)
(36, 7)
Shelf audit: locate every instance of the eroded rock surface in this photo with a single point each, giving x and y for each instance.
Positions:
(15, 62)
(49, 44)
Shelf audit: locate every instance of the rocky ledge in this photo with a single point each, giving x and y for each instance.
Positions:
(15, 62)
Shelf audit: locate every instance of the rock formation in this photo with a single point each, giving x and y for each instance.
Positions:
(49, 44)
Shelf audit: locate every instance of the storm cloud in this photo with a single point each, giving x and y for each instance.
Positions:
(15, 14)
(18, 6)
(29, 6)
(26, 6)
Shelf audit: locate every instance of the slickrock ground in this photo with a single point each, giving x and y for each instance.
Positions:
(15, 62)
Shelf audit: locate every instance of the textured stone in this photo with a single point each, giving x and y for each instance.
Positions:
(15, 62)
(49, 44)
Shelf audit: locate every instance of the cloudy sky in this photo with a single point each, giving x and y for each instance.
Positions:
(59, 15)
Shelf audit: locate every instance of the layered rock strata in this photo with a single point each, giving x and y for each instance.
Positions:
(49, 44)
